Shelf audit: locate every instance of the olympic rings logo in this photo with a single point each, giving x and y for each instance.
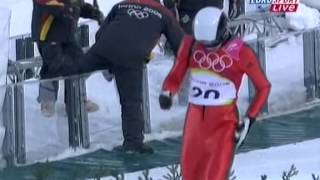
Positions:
(212, 60)
(138, 13)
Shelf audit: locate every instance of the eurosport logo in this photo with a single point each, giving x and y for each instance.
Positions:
(212, 61)
(279, 5)
(138, 13)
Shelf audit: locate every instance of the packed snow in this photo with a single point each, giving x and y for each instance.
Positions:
(271, 162)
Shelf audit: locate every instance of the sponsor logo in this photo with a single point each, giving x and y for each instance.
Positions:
(138, 13)
(279, 5)
(212, 61)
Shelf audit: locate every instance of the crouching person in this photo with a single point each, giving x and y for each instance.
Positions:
(123, 45)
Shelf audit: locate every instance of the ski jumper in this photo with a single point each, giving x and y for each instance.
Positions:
(212, 116)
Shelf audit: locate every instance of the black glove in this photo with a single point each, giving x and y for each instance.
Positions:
(98, 16)
(107, 75)
(165, 100)
(243, 129)
(88, 11)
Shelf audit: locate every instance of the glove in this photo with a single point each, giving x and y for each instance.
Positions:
(243, 129)
(165, 100)
(107, 75)
(98, 16)
(88, 11)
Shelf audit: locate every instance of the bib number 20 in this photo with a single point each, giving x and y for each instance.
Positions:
(199, 93)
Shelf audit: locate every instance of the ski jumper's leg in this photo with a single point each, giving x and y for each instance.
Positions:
(220, 143)
(192, 151)
(209, 143)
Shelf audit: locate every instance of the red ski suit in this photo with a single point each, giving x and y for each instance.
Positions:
(212, 117)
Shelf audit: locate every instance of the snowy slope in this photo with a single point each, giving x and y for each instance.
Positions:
(271, 162)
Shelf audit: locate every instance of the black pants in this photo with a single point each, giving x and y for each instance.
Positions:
(56, 58)
(129, 83)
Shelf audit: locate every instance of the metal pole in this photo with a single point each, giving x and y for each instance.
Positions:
(146, 104)
(8, 147)
(309, 64)
(73, 121)
(317, 61)
(19, 124)
(77, 114)
(84, 126)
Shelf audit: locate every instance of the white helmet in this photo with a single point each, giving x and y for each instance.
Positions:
(210, 25)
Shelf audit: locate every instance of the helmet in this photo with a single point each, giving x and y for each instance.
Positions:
(210, 26)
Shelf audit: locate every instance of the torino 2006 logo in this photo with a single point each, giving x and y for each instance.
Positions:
(138, 13)
(212, 60)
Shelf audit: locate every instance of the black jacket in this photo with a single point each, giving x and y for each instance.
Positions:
(56, 20)
(133, 28)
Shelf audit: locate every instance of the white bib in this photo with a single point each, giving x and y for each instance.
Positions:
(210, 89)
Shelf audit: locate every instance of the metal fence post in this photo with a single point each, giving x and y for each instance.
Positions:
(24, 50)
(146, 104)
(84, 126)
(71, 107)
(82, 35)
(19, 124)
(77, 114)
(8, 147)
(309, 64)
(317, 61)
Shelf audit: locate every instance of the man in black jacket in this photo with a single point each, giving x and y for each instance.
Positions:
(123, 45)
(54, 25)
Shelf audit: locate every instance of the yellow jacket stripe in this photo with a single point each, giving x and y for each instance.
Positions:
(54, 3)
(46, 27)
(48, 21)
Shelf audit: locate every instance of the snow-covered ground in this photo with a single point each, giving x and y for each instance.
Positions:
(48, 137)
(271, 162)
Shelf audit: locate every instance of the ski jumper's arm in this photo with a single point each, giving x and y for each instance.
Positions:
(175, 77)
(173, 31)
(249, 63)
